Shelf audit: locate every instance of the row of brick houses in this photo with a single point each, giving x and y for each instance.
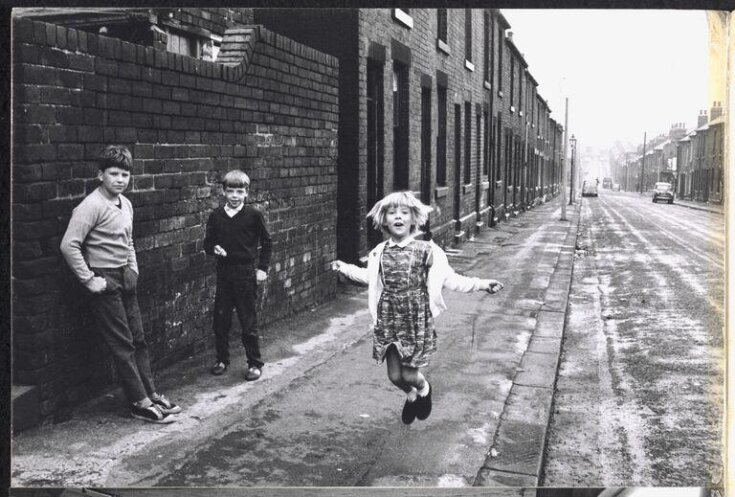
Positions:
(437, 101)
(326, 110)
(692, 161)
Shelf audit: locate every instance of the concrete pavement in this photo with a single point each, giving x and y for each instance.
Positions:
(701, 206)
(516, 455)
(90, 448)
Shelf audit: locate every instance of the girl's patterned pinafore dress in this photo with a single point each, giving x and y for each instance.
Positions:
(404, 314)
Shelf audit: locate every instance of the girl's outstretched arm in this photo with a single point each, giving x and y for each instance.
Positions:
(457, 282)
(355, 273)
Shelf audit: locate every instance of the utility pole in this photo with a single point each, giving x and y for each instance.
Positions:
(573, 182)
(564, 162)
(643, 164)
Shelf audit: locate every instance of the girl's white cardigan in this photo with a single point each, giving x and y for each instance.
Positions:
(440, 275)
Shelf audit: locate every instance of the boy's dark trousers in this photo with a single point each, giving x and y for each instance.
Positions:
(238, 289)
(118, 314)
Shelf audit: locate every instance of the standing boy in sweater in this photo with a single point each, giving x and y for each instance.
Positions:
(234, 232)
(98, 246)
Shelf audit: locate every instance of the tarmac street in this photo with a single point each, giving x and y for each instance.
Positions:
(323, 414)
(639, 397)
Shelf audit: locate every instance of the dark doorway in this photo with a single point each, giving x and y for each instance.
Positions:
(375, 144)
(457, 160)
(441, 137)
(400, 126)
(426, 145)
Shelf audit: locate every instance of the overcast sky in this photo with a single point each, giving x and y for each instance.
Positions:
(624, 71)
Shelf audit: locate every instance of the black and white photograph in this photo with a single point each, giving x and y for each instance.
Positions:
(349, 251)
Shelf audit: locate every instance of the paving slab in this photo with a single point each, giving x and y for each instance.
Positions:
(493, 478)
(548, 345)
(516, 448)
(537, 370)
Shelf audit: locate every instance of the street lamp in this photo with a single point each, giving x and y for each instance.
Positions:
(573, 143)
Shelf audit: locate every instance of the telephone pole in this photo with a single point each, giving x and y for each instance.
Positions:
(564, 162)
(643, 164)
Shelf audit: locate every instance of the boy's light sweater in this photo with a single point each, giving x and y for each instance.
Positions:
(99, 234)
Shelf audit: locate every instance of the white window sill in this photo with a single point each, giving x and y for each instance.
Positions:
(442, 46)
(403, 18)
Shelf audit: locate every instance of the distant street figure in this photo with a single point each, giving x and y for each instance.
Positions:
(405, 277)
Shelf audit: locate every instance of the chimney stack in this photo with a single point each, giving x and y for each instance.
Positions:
(677, 131)
(702, 118)
(716, 111)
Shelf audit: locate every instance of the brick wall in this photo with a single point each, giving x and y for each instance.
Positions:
(215, 20)
(186, 122)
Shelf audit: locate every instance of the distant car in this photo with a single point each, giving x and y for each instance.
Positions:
(663, 191)
(616, 187)
(589, 189)
(607, 183)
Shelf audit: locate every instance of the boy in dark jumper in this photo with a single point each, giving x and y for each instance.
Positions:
(234, 232)
(98, 247)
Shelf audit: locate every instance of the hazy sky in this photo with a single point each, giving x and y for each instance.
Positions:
(624, 71)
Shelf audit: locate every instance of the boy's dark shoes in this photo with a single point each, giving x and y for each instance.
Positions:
(423, 405)
(166, 406)
(409, 412)
(253, 373)
(219, 368)
(152, 414)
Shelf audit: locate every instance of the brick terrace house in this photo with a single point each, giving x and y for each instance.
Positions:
(436, 101)
(701, 158)
(193, 93)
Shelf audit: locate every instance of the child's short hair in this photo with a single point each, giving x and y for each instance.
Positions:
(115, 156)
(235, 179)
(419, 210)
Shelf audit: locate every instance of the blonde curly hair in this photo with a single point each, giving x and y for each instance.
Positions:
(419, 210)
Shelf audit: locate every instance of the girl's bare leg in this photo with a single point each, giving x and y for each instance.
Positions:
(395, 369)
(413, 377)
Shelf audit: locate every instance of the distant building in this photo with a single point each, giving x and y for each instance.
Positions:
(701, 158)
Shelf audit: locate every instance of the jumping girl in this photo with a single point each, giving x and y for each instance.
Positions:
(405, 277)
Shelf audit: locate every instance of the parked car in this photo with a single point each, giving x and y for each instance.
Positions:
(616, 187)
(589, 189)
(663, 191)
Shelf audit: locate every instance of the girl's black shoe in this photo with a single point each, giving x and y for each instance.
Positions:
(423, 405)
(409, 412)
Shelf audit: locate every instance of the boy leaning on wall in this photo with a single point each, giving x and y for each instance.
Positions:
(98, 247)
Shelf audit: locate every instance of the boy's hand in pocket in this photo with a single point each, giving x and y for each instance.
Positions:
(96, 284)
(260, 276)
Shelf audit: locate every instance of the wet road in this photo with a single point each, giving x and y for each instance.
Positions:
(639, 393)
